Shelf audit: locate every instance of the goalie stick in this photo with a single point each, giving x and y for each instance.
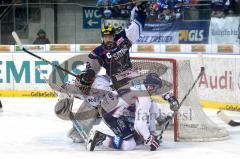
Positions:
(76, 124)
(18, 41)
(227, 119)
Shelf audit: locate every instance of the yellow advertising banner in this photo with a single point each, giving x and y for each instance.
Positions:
(145, 48)
(173, 48)
(5, 48)
(60, 47)
(87, 47)
(198, 48)
(225, 48)
(27, 93)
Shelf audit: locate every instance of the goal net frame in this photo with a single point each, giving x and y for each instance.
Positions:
(176, 121)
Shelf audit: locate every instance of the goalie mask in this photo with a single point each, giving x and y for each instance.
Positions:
(153, 82)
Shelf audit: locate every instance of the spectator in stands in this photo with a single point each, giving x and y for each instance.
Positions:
(167, 10)
(234, 7)
(219, 7)
(154, 10)
(106, 7)
(126, 8)
(41, 38)
(166, 15)
(115, 8)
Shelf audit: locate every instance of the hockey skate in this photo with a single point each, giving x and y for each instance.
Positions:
(95, 138)
(74, 135)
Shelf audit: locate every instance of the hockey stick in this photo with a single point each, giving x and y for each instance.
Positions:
(169, 118)
(227, 119)
(18, 41)
(76, 123)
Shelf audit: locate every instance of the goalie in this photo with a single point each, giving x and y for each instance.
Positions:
(88, 115)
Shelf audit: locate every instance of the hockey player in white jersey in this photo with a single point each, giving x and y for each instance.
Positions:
(87, 113)
(103, 134)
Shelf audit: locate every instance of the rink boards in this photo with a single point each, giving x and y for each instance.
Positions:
(219, 87)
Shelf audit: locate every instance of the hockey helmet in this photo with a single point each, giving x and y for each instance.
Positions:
(153, 81)
(108, 30)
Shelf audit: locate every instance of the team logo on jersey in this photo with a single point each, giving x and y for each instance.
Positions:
(109, 56)
(116, 55)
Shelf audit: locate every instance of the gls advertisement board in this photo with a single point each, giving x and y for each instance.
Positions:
(192, 32)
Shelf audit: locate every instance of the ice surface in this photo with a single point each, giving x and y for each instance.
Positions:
(30, 129)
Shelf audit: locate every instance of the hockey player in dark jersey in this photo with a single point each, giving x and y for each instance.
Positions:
(113, 55)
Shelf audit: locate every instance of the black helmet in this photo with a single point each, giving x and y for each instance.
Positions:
(107, 30)
(154, 80)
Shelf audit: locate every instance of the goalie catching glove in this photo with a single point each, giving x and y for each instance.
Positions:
(172, 100)
(85, 80)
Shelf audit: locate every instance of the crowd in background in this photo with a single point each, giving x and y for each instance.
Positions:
(221, 8)
(115, 8)
(162, 10)
(166, 10)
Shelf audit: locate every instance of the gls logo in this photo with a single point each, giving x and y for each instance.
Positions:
(191, 35)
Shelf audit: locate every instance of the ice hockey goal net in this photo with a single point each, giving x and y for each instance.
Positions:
(191, 123)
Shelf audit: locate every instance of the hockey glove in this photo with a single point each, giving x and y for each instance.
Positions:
(86, 78)
(172, 100)
(85, 81)
(153, 142)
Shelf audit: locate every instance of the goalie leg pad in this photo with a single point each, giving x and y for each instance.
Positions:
(62, 108)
